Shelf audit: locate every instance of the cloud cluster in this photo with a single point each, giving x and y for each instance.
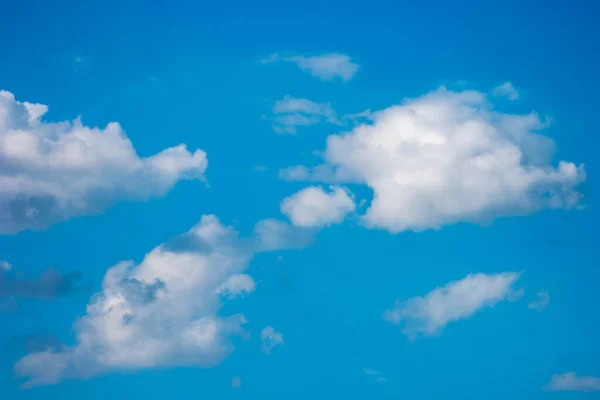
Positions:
(162, 312)
(270, 338)
(428, 315)
(50, 172)
(313, 207)
(448, 157)
(570, 382)
(326, 66)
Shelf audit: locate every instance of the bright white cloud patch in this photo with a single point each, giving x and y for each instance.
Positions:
(507, 90)
(270, 338)
(448, 157)
(542, 301)
(314, 207)
(53, 171)
(161, 312)
(570, 382)
(428, 315)
(326, 66)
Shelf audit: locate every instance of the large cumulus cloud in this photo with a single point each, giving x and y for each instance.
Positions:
(166, 310)
(50, 172)
(448, 157)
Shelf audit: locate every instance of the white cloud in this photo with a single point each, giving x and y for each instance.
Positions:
(448, 157)
(162, 312)
(326, 66)
(275, 235)
(270, 338)
(428, 315)
(314, 207)
(290, 113)
(5, 265)
(541, 302)
(570, 382)
(506, 90)
(51, 172)
(236, 382)
(237, 285)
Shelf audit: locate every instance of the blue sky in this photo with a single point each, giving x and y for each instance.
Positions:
(374, 200)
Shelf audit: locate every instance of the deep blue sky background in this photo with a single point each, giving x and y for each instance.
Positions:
(178, 72)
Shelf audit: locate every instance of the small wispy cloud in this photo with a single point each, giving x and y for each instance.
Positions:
(326, 66)
(5, 265)
(570, 382)
(428, 315)
(290, 113)
(270, 58)
(542, 301)
(376, 374)
(270, 338)
(260, 168)
(507, 90)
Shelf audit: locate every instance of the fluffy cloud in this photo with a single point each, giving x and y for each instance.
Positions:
(507, 90)
(53, 171)
(325, 66)
(270, 338)
(314, 207)
(448, 157)
(428, 315)
(543, 299)
(162, 312)
(52, 283)
(570, 382)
